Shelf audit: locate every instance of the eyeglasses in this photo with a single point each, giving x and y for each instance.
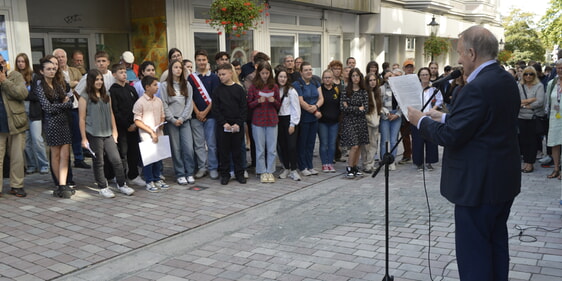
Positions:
(528, 74)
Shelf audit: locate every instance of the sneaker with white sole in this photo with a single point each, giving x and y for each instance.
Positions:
(264, 178)
(201, 173)
(126, 190)
(270, 178)
(306, 172)
(294, 175)
(284, 174)
(150, 187)
(161, 184)
(246, 176)
(392, 167)
(107, 193)
(137, 181)
(182, 181)
(545, 159)
(313, 172)
(190, 180)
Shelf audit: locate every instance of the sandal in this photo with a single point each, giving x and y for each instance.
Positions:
(527, 171)
(555, 174)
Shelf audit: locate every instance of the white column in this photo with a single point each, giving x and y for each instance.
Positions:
(17, 31)
(178, 23)
(421, 60)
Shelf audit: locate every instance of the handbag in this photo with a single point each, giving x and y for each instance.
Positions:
(541, 122)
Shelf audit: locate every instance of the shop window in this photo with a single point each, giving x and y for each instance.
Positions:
(240, 48)
(335, 48)
(282, 19)
(281, 46)
(209, 42)
(310, 50)
(310, 21)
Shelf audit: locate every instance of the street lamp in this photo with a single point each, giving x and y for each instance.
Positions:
(501, 43)
(433, 25)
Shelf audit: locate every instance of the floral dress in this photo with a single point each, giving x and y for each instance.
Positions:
(354, 123)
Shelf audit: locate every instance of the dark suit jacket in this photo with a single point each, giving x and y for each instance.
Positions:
(481, 163)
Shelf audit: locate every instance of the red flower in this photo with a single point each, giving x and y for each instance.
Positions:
(234, 28)
(207, 21)
(267, 14)
(220, 33)
(260, 10)
(223, 9)
(247, 4)
(237, 35)
(241, 24)
(244, 32)
(223, 22)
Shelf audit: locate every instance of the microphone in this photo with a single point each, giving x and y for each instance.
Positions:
(453, 75)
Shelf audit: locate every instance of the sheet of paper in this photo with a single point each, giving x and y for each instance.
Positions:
(152, 152)
(264, 94)
(407, 90)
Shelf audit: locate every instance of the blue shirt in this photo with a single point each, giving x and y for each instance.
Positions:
(309, 94)
(210, 82)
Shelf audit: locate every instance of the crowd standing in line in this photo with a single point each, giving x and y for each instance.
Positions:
(286, 107)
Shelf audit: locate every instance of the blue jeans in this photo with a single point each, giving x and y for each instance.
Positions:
(181, 143)
(327, 133)
(204, 132)
(35, 153)
(307, 139)
(266, 142)
(152, 171)
(76, 137)
(389, 132)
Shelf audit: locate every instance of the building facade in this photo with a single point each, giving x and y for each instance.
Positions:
(318, 30)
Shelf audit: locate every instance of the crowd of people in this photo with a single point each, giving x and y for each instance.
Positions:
(214, 116)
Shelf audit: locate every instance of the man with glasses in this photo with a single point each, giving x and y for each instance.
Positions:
(13, 124)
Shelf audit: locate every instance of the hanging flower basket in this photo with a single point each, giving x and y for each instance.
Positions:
(236, 17)
(435, 46)
(505, 56)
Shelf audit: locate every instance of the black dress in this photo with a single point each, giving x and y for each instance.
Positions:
(354, 123)
(57, 115)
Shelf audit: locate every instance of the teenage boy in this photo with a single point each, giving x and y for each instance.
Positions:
(149, 113)
(229, 109)
(203, 122)
(123, 98)
(102, 64)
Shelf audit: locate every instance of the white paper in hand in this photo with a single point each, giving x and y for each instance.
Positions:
(407, 90)
(152, 152)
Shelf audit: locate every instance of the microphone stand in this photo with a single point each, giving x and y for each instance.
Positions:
(388, 159)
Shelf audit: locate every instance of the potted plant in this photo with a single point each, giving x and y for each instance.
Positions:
(435, 46)
(236, 17)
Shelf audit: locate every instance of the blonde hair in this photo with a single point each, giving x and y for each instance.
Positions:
(531, 70)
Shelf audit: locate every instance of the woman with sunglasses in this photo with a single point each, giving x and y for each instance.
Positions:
(531, 92)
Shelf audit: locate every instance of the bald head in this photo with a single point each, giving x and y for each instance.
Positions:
(483, 43)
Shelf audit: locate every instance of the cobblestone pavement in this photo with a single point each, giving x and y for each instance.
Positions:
(325, 227)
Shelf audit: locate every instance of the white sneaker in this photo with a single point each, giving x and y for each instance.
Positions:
(264, 178)
(150, 187)
(295, 175)
(313, 172)
(126, 190)
(284, 174)
(182, 180)
(201, 173)
(190, 180)
(392, 167)
(545, 159)
(137, 181)
(246, 176)
(270, 178)
(107, 193)
(161, 184)
(306, 172)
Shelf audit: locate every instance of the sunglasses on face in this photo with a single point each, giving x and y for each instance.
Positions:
(528, 74)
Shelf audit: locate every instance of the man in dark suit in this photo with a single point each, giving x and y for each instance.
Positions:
(481, 173)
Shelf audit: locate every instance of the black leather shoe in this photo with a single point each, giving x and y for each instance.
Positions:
(82, 165)
(19, 192)
(224, 180)
(241, 179)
